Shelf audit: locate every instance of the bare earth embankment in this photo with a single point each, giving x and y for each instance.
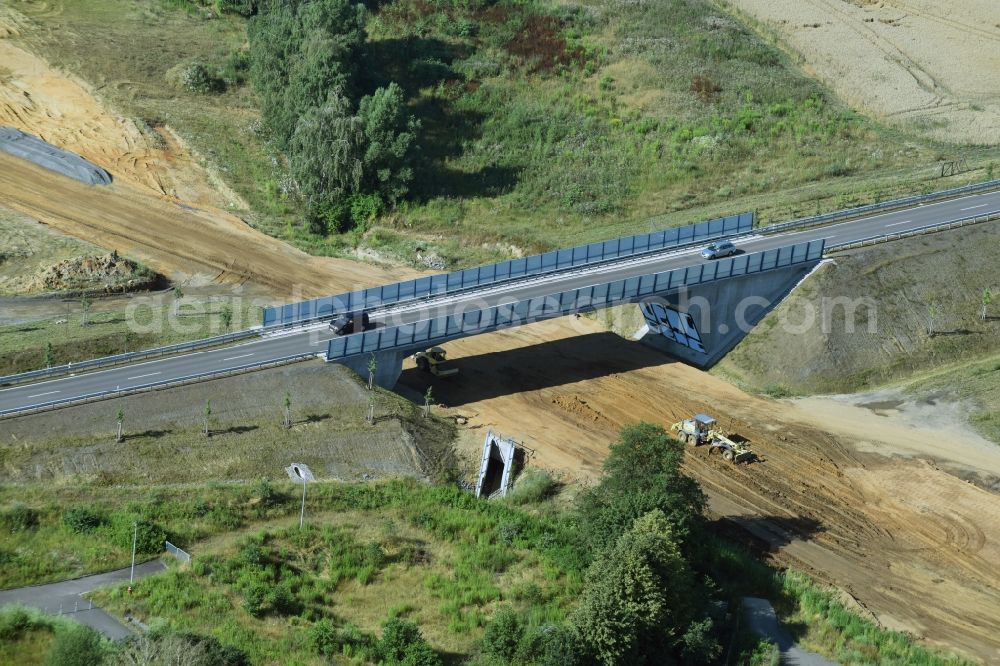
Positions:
(927, 66)
(910, 541)
(163, 208)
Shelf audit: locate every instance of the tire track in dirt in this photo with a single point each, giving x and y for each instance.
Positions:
(910, 542)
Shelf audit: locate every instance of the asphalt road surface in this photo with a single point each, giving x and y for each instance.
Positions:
(760, 619)
(313, 339)
(65, 598)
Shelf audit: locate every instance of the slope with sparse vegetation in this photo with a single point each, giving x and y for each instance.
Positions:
(489, 128)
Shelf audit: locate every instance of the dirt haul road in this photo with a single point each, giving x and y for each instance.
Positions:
(913, 544)
(162, 208)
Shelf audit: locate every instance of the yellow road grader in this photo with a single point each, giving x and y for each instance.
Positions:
(702, 430)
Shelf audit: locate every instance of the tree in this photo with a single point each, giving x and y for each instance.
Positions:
(299, 51)
(933, 312)
(986, 300)
(85, 304)
(428, 401)
(207, 413)
(49, 356)
(226, 316)
(372, 368)
(120, 419)
(288, 410)
(642, 472)
(636, 604)
(327, 159)
(389, 133)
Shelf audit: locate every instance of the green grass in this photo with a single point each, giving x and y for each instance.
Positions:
(437, 556)
(27, 635)
(28, 248)
(537, 132)
(113, 328)
(869, 324)
(847, 637)
(813, 614)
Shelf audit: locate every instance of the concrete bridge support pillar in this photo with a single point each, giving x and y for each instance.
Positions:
(721, 313)
(389, 367)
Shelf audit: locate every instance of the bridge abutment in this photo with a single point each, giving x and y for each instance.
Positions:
(701, 324)
(389, 366)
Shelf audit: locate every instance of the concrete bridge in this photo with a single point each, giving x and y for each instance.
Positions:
(696, 309)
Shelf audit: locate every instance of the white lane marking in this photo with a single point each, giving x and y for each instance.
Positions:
(974, 207)
(233, 358)
(141, 376)
(896, 224)
(39, 395)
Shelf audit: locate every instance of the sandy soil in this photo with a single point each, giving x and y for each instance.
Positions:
(890, 423)
(930, 66)
(61, 110)
(161, 209)
(914, 544)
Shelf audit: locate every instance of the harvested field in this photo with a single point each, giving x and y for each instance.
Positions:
(927, 66)
(911, 542)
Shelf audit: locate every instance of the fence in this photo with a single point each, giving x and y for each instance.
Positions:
(57, 370)
(930, 228)
(166, 383)
(181, 555)
(429, 331)
(885, 205)
(448, 283)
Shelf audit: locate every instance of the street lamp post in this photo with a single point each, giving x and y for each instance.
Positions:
(301, 474)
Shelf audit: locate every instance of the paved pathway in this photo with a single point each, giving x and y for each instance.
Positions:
(760, 618)
(66, 596)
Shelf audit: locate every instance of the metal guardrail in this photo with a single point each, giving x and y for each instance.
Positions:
(540, 264)
(118, 359)
(919, 231)
(885, 205)
(153, 386)
(594, 297)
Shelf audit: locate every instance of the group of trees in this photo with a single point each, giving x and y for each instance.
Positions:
(642, 602)
(350, 153)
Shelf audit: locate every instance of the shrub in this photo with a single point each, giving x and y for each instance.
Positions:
(19, 518)
(17, 620)
(76, 645)
(534, 485)
(323, 638)
(503, 634)
(402, 643)
(254, 598)
(149, 536)
(82, 519)
(195, 77)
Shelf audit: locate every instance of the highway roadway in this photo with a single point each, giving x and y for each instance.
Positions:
(313, 338)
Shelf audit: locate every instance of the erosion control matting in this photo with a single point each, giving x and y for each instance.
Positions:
(46, 155)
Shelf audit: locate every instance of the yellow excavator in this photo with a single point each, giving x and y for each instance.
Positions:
(435, 361)
(701, 430)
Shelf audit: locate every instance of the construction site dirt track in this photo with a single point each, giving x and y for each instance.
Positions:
(913, 544)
